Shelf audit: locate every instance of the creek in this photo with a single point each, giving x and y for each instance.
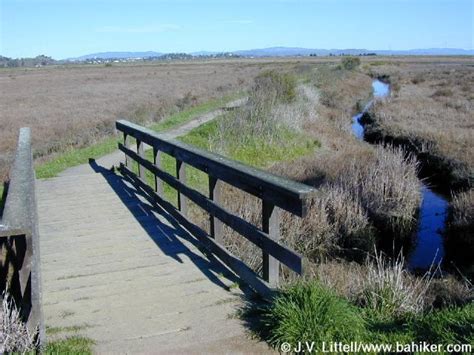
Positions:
(428, 245)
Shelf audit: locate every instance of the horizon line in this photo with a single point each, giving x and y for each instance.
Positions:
(250, 49)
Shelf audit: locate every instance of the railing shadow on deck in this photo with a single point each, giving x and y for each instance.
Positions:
(276, 194)
(166, 237)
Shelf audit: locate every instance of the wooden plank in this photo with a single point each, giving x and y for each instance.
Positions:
(231, 261)
(286, 194)
(215, 225)
(271, 226)
(181, 176)
(288, 257)
(10, 232)
(157, 162)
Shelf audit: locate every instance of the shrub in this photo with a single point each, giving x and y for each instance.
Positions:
(335, 223)
(418, 78)
(271, 83)
(389, 290)
(265, 117)
(306, 311)
(443, 92)
(387, 188)
(187, 100)
(350, 63)
(14, 335)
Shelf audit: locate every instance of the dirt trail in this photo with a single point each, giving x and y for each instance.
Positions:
(113, 159)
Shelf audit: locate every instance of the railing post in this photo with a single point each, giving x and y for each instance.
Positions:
(141, 153)
(157, 162)
(181, 175)
(126, 143)
(271, 226)
(215, 226)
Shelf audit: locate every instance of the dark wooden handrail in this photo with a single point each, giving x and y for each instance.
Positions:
(19, 235)
(275, 192)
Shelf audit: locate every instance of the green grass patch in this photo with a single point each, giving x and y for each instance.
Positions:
(75, 156)
(78, 156)
(70, 345)
(308, 311)
(256, 152)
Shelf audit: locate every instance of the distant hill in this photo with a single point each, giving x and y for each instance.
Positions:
(291, 51)
(117, 55)
(281, 52)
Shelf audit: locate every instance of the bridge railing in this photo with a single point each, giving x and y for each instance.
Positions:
(275, 192)
(19, 238)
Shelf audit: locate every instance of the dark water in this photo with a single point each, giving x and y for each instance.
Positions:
(428, 246)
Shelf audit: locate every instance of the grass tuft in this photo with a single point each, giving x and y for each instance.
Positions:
(388, 289)
(310, 312)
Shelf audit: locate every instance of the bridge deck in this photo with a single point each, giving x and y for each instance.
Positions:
(129, 277)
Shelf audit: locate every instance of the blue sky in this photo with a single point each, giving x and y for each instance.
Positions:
(68, 28)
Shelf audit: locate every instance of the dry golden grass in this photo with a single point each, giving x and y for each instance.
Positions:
(364, 191)
(75, 106)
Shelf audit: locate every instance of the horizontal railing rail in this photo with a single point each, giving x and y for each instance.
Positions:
(275, 192)
(19, 238)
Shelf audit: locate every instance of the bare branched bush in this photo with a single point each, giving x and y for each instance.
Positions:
(335, 222)
(14, 335)
(387, 187)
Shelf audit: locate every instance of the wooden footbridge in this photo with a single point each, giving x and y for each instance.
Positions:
(110, 259)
